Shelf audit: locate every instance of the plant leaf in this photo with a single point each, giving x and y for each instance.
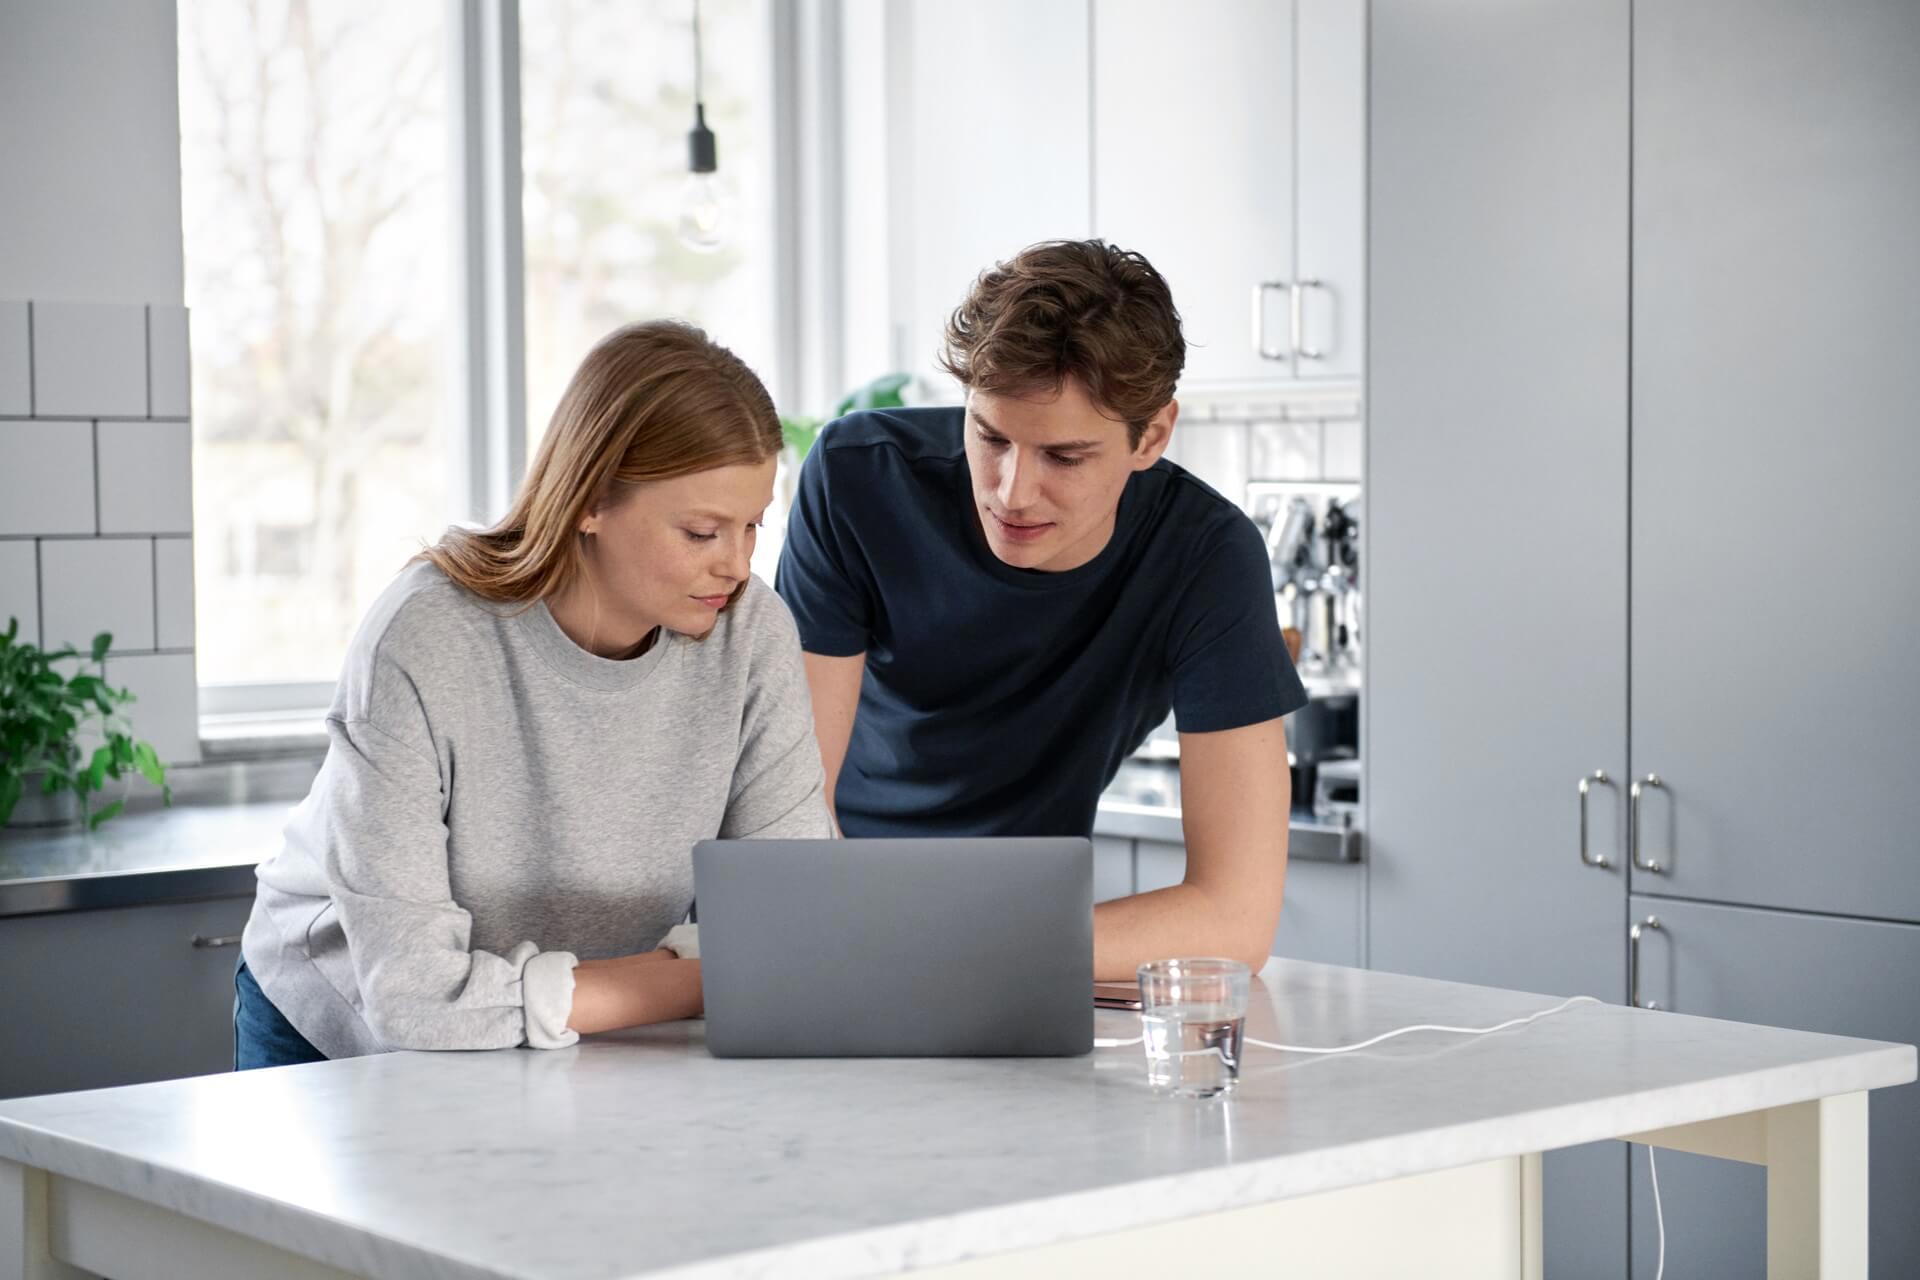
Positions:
(97, 769)
(147, 761)
(105, 812)
(102, 643)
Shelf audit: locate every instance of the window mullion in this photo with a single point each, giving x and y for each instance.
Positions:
(489, 430)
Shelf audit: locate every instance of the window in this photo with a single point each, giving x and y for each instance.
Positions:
(315, 200)
(335, 167)
(606, 99)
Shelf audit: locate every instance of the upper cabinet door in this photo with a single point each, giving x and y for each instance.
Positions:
(1193, 159)
(1776, 537)
(1331, 202)
(988, 150)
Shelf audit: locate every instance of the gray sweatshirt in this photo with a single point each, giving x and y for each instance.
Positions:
(496, 801)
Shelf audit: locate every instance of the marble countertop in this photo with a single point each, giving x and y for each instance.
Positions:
(637, 1154)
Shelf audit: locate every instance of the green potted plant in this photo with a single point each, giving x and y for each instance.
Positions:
(883, 392)
(43, 715)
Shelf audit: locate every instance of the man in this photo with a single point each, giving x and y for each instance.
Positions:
(999, 602)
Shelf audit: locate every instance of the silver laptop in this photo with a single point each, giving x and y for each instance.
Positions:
(896, 948)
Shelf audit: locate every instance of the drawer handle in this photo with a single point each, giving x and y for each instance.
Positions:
(201, 941)
(1633, 963)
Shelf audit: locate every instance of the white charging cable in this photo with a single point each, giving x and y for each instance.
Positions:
(1659, 1217)
(1101, 1043)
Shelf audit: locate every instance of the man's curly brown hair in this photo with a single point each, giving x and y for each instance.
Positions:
(1071, 308)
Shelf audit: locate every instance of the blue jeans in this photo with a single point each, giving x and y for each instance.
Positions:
(262, 1036)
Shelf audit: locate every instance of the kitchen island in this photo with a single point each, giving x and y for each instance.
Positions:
(637, 1154)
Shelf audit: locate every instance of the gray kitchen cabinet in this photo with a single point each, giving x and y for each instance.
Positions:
(1320, 919)
(1811, 973)
(1112, 868)
(118, 996)
(1495, 555)
(1323, 916)
(1228, 144)
(1158, 864)
(1776, 542)
(979, 167)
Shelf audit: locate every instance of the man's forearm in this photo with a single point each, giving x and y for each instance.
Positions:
(1180, 920)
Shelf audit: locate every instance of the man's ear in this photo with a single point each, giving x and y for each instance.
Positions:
(1158, 435)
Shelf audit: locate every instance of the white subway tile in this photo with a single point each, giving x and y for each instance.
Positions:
(168, 384)
(1343, 450)
(89, 360)
(168, 711)
(173, 592)
(46, 477)
(20, 588)
(90, 585)
(1217, 453)
(16, 386)
(1286, 451)
(146, 477)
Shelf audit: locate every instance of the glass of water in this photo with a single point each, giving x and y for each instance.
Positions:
(1193, 1016)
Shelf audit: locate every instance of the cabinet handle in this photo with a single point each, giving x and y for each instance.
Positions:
(1633, 823)
(1300, 347)
(1260, 346)
(1633, 963)
(1597, 777)
(202, 941)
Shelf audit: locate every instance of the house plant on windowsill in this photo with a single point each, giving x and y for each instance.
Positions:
(42, 716)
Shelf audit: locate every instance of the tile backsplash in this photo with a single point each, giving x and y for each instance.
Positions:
(1313, 438)
(96, 497)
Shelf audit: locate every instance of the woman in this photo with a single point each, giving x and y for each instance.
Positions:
(533, 726)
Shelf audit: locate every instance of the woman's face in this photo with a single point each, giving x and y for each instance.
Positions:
(670, 553)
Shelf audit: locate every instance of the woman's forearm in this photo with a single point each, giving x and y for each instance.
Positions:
(633, 991)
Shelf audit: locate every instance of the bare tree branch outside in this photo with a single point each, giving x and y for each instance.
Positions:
(316, 137)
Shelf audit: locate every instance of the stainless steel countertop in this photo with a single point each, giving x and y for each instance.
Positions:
(153, 855)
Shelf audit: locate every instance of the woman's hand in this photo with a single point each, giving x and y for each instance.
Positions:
(632, 991)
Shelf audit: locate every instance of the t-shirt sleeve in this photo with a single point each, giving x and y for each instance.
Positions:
(1229, 665)
(823, 575)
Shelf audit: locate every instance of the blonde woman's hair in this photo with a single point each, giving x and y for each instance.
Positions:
(650, 402)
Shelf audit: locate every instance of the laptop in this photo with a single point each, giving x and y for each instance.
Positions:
(896, 948)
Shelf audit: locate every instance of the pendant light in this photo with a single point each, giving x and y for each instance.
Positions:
(703, 205)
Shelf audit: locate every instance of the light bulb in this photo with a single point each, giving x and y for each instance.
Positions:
(703, 213)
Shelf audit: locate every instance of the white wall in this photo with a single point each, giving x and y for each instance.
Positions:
(90, 151)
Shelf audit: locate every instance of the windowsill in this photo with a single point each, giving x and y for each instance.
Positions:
(263, 736)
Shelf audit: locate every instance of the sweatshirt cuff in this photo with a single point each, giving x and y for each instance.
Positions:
(546, 992)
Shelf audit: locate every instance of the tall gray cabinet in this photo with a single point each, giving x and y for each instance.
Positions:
(1497, 503)
(1643, 568)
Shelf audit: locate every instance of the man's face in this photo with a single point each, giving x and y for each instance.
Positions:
(1048, 471)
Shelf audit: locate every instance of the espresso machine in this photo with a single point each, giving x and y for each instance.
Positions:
(1315, 557)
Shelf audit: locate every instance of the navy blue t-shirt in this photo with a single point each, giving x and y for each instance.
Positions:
(998, 700)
